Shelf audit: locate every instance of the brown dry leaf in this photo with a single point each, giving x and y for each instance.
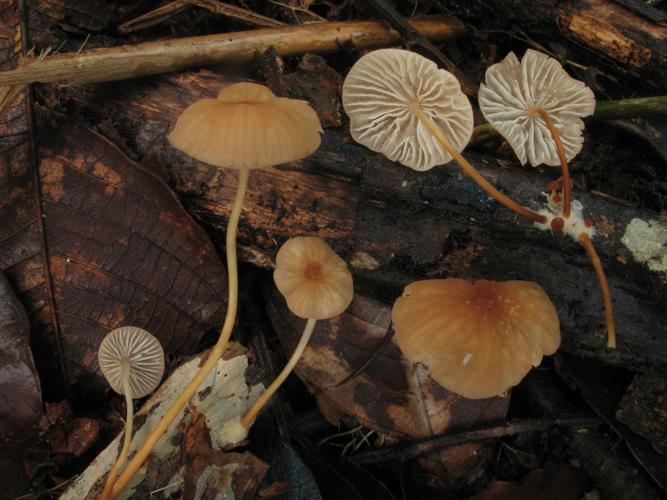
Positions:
(20, 392)
(392, 396)
(554, 482)
(192, 449)
(120, 249)
(209, 471)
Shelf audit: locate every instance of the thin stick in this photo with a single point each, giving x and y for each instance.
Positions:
(469, 169)
(216, 353)
(129, 420)
(604, 287)
(152, 58)
(252, 413)
(405, 451)
(566, 187)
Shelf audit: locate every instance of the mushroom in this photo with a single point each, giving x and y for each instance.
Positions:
(316, 284)
(132, 361)
(538, 108)
(528, 101)
(401, 105)
(476, 339)
(246, 127)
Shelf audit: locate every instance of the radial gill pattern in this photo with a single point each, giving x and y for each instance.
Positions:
(379, 94)
(514, 90)
(136, 350)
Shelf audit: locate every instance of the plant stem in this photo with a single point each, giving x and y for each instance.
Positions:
(604, 287)
(566, 187)
(469, 169)
(127, 439)
(250, 416)
(216, 353)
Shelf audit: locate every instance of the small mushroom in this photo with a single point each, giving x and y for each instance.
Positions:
(316, 284)
(246, 127)
(401, 105)
(476, 339)
(538, 108)
(132, 361)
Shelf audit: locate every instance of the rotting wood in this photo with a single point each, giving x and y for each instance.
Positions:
(118, 63)
(616, 475)
(609, 35)
(396, 225)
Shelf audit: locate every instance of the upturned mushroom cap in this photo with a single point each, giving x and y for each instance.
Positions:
(378, 94)
(476, 339)
(247, 127)
(315, 282)
(143, 354)
(512, 92)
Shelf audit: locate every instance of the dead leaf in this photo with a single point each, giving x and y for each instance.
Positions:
(78, 16)
(554, 482)
(644, 409)
(392, 396)
(120, 250)
(183, 455)
(210, 472)
(602, 387)
(20, 392)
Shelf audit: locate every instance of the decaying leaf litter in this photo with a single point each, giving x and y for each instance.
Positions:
(88, 265)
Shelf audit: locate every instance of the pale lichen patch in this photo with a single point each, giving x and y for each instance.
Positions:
(647, 241)
(362, 260)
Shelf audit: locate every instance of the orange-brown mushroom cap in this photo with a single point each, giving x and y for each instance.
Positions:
(476, 339)
(247, 127)
(315, 282)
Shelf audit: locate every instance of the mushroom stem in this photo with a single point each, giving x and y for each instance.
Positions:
(216, 353)
(604, 287)
(566, 184)
(127, 439)
(250, 416)
(469, 169)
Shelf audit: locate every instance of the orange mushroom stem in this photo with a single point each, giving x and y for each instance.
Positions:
(604, 288)
(566, 185)
(249, 418)
(472, 172)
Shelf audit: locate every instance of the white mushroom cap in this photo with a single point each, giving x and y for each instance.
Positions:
(143, 354)
(378, 94)
(514, 90)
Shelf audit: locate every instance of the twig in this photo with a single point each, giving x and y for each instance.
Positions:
(405, 451)
(119, 63)
(413, 38)
(154, 17)
(236, 12)
(294, 8)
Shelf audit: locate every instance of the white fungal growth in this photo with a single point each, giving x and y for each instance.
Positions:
(467, 358)
(574, 225)
(648, 243)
